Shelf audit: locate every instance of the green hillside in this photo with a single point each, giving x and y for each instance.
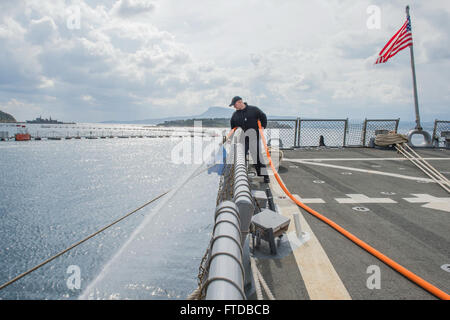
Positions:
(6, 117)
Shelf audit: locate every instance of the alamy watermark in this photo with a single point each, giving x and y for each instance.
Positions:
(374, 280)
(73, 21)
(374, 20)
(199, 147)
(74, 280)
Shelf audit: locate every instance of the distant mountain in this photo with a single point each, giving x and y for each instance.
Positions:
(211, 113)
(216, 112)
(6, 117)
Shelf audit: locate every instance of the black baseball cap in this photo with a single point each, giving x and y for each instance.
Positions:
(235, 99)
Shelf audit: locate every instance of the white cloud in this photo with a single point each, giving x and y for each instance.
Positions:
(11, 29)
(41, 30)
(87, 98)
(21, 110)
(128, 8)
(143, 59)
(46, 83)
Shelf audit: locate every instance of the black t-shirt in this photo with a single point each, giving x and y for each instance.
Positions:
(248, 118)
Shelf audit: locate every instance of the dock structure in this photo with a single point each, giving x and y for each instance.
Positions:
(5, 137)
(375, 194)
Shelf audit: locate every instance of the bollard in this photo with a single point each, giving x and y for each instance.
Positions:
(321, 141)
(298, 227)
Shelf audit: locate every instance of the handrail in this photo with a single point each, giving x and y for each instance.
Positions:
(242, 193)
(225, 269)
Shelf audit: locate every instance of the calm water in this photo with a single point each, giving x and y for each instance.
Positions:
(54, 193)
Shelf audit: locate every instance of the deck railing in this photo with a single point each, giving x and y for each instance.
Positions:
(441, 133)
(294, 133)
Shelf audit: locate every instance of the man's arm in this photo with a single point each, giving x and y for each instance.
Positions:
(232, 122)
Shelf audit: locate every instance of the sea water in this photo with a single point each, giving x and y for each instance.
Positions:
(55, 193)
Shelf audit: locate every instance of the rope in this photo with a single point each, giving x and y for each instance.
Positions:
(259, 281)
(79, 242)
(265, 286)
(427, 168)
(427, 163)
(397, 267)
(259, 295)
(421, 166)
(195, 295)
(388, 139)
(93, 234)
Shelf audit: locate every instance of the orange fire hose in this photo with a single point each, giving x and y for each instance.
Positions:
(394, 265)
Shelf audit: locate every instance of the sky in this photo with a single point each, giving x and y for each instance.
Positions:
(98, 60)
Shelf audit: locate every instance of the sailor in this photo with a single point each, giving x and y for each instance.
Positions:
(246, 117)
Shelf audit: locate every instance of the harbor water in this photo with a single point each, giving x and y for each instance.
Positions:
(55, 193)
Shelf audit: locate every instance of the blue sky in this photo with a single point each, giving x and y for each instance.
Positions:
(89, 60)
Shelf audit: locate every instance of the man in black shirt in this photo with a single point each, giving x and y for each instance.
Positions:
(246, 117)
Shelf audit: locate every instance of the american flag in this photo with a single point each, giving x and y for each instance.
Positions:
(401, 40)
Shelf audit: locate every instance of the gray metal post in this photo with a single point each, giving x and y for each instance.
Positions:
(364, 133)
(434, 131)
(295, 133)
(299, 131)
(298, 227)
(416, 102)
(345, 132)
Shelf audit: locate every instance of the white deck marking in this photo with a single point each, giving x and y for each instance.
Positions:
(360, 198)
(308, 200)
(321, 279)
(431, 202)
(396, 175)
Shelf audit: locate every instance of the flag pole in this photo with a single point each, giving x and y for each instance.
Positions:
(416, 102)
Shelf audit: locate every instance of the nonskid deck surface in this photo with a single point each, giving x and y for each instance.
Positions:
(376, 195)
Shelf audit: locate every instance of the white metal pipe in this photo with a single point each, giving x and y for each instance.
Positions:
(226, 272)
(298, 227)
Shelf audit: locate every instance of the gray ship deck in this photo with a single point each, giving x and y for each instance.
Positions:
(378, 196)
